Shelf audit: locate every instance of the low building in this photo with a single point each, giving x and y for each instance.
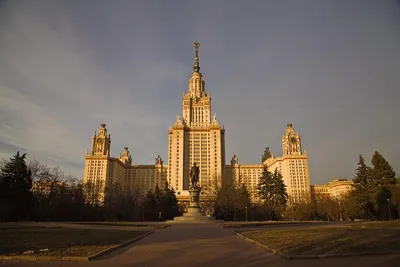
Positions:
(336, 189)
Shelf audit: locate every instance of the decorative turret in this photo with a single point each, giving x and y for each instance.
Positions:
(159, 161)
(178, 120)
(266, 155)
(214, 121)
(125, 157)
(234, 160)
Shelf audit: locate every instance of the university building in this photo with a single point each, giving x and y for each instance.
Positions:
(197, 137)
(293, 164)
(335, 189)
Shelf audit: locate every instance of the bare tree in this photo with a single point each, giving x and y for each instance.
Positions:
(94, 193)
(210, 195)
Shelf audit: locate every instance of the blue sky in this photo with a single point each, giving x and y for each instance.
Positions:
(330, 67)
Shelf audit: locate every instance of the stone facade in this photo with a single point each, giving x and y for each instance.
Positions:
(103, 170)
(293, 164)
(195, 138)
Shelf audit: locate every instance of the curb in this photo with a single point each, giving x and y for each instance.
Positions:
(274, 251)
(109, 250)
(75, 258)
(317, 257)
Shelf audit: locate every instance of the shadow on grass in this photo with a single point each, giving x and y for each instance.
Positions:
(269, 224)
(338, 240)
(64, 241)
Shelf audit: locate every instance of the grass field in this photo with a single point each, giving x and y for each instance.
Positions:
(325, 240)
(58, 241)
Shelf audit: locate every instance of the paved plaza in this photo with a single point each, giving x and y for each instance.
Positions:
(204, 245)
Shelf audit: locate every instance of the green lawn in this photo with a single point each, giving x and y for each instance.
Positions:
(366, 237)
(61, 241)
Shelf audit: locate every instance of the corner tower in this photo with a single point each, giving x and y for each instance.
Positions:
(195, 137)
(294, 167)
(97, 162)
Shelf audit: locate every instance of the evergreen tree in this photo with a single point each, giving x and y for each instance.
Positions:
(361, 178)
(281, 196)
(381, 174)
(265, 186)
(160, 201)
(226, 204)
(158, 194)
(244, 196)
(383, 202)
(15, 189)
(371, 186)
(272, 189)
(170, 203)
(150, 206)
(244, 202)
(363, 193)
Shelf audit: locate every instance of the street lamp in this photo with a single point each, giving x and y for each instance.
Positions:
(340, 212)
(245, 208)
(390, 213)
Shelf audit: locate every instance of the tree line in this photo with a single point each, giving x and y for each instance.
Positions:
(375, 196)
(35, 191)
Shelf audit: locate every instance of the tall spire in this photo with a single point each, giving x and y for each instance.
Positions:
(196, 66)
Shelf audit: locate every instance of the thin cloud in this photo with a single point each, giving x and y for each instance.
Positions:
(328, 67)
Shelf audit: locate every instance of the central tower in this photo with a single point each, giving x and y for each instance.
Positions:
(196, 103)
(196, 138)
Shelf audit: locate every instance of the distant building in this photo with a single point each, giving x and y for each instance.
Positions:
(43, 188)
(336, 189)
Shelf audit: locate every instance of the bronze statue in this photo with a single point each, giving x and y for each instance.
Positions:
(194, 175)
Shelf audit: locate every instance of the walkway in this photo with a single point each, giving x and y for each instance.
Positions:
(204, 245)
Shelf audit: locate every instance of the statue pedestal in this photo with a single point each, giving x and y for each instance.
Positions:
(194, 212)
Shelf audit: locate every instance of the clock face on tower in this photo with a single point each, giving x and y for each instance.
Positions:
(99, 140)
(293, 140)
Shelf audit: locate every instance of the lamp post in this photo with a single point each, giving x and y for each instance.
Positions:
(245, 208)
(340, 212)
(390, 213)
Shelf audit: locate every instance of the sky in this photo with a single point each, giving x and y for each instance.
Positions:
(329, 67)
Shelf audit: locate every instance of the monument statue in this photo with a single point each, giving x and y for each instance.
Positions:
(194, 175)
